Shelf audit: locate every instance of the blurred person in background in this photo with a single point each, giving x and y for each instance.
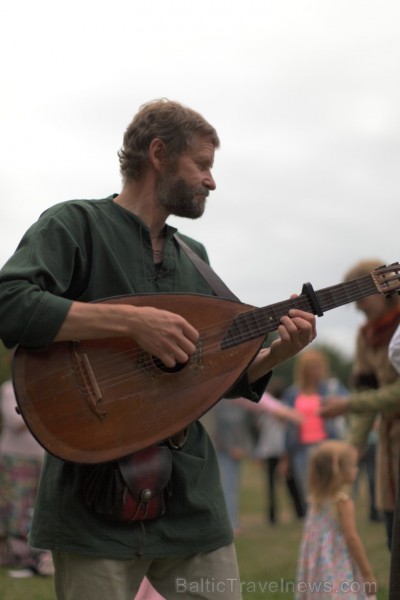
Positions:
(233, 429)
(21, 459)
(312, 385)
(245, 430)
(377, 390)
(332, 560)
(394, 350)
(270, 450)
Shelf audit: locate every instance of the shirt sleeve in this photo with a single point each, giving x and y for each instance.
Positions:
(394, 350)
(385, 398)
(250, 391)
(35, 284)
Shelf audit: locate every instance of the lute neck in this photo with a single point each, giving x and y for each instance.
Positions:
(261, 321)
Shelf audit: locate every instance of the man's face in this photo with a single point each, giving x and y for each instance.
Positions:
(373, 306)
(183, 188)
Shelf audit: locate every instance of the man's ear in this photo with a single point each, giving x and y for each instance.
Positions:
(157, 153)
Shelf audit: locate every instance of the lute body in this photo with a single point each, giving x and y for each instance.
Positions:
(92, 401)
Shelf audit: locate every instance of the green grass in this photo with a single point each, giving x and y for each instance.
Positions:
(267, 554)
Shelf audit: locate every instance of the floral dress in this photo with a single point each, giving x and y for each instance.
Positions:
(325, 568)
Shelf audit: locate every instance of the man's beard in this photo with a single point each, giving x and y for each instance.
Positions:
(179, 199)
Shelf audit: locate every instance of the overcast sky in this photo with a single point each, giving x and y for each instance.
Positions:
(305, 96)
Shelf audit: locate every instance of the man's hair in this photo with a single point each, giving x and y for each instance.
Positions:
(176, 125)
(310, 356)
(363, 267)
(327, 468)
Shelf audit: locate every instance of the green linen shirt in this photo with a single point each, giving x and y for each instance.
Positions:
(87, 250)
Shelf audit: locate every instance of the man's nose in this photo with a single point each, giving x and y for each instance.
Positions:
(209, 182)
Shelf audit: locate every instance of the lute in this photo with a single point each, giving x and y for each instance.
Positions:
(92, 401)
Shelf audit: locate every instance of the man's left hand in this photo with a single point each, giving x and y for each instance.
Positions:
(296, 331)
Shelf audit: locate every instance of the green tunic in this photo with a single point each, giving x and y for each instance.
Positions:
(87, 250)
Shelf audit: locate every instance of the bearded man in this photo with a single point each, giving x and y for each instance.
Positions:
(82, 251)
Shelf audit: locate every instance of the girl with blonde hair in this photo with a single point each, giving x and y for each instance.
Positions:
(313, 384)
(332, 562)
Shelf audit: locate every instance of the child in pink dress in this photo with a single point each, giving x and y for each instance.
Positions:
(332, 563)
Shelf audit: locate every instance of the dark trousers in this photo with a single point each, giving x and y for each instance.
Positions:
(388, 517)
(367, 463)
(295, 494)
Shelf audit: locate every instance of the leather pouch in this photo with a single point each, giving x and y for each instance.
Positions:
(134, 488)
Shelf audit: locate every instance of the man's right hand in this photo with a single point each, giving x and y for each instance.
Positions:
(165, 335)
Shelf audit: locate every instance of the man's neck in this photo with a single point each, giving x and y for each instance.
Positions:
(139, 198)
